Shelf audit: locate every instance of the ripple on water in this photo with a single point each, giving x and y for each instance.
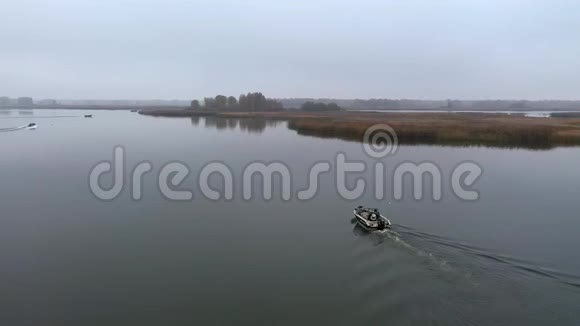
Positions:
(409, 276)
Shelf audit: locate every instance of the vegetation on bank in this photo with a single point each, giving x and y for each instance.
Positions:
(450, 129)
(320, 107)
(457, 129)
(450, 104)
(251, 102)
(565, 115)
(255, 102)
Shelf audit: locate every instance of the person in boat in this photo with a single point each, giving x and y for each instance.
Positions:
(382, 225)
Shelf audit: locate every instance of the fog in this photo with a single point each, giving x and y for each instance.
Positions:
(112, 49)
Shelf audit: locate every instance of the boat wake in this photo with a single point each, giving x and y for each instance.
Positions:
(30, 126)
(404, 270)
(413, 242)
(395, 238)
(500, 261)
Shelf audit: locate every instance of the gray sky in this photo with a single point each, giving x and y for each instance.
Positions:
(430, 49)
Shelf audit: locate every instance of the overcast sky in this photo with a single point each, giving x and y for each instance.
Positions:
(182, 49)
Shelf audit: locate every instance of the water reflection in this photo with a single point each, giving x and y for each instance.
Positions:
(195, 120)
(249, 125)
(232, 123)
(221, 124)
(539, 138)
(26, 112)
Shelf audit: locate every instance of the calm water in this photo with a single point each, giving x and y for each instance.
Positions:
(68, 258)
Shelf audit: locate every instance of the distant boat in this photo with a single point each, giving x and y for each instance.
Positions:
(133, 110)
(88, 115)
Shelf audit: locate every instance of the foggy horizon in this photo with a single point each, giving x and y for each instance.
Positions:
(177, 50)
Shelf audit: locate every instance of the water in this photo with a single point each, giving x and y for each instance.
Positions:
(71, 259)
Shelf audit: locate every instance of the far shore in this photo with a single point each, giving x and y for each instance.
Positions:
(173, 110)
(456, 129)
(444, 128)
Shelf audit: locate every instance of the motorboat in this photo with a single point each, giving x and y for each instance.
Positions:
(30, 126)
(371, 220)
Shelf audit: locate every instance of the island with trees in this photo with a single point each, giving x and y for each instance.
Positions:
(250, 102)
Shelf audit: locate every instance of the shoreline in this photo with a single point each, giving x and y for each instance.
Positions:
(453, 129)
(175, 109)
(430, 128)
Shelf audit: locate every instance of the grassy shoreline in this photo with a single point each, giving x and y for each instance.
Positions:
(456, 129)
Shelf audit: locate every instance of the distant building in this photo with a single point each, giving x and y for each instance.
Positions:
(25, 101)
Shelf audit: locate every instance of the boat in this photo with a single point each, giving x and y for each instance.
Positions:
(88, 115)
(371, 220)
(30, 126)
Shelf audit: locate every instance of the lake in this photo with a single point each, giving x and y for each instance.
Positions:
(69, 258)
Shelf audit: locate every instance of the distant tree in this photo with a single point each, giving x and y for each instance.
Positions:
(273, 105)
(254, 102)
(221, 102)
(25, 101)
(258, 102)
(195, 105)
(210, 103)
(333, 107)
(243, 102)
(320, 107)
(232, 103)
(4, 100)
(247, 102)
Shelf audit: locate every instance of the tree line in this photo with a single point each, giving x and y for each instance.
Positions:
(251, 102)
(320, 107)
(21, 101)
